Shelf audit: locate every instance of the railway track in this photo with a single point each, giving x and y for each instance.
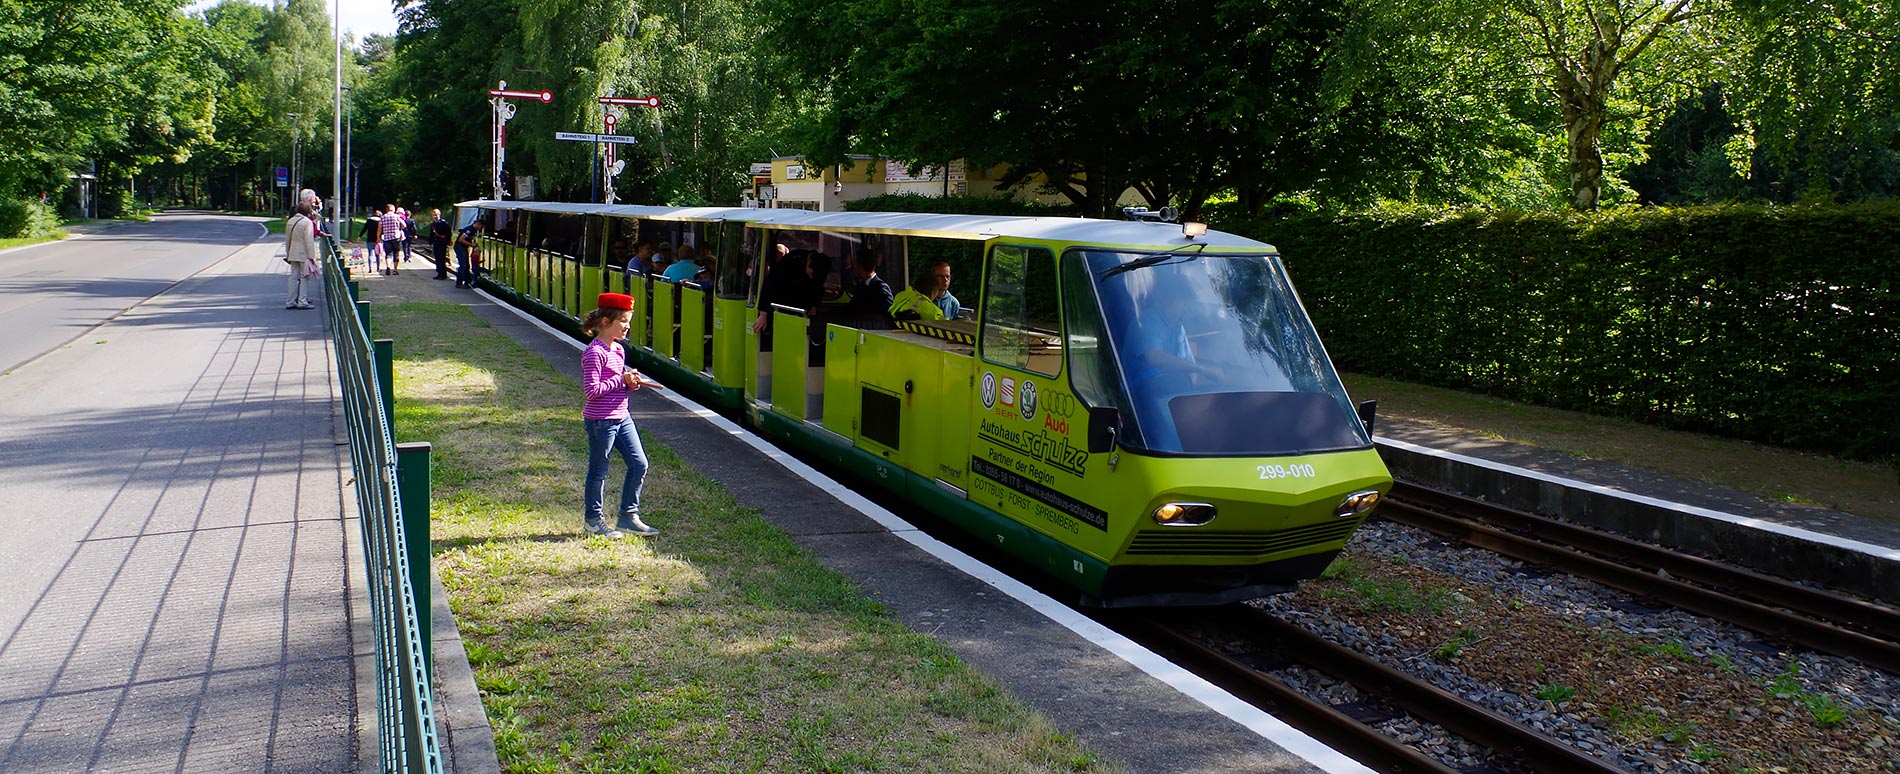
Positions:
(1182, 635)
(1775, 608)
(1819, 620)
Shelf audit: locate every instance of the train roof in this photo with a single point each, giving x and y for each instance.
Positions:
(938, 225)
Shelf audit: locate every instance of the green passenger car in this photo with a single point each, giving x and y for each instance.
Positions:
(1141, 410)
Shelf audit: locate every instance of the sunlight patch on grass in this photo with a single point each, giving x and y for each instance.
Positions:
(719, 645)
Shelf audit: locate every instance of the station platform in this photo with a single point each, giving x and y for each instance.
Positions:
(1843, 551)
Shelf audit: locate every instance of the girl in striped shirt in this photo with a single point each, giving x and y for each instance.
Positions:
(606, 380)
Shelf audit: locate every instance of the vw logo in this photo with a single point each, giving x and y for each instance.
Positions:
(989, 389)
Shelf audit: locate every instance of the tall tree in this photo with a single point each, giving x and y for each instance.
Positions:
(69, 74)
(1087, 99)
(1816, 88)
(1596, 68)
(448, 54)
(298, 73)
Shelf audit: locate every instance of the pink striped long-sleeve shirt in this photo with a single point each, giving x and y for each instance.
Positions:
(601, 366)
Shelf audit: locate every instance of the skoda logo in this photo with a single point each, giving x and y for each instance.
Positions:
(989, 389)
(1028, 399)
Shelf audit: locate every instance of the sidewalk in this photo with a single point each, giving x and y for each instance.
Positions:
(179, 568)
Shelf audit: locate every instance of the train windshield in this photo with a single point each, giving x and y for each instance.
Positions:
(1216, 354)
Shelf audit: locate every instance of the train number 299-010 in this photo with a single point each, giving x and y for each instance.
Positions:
(1270, 472)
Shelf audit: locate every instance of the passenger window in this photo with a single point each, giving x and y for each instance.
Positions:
(1020, 307)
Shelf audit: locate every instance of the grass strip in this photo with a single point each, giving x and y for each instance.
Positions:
(719, 645)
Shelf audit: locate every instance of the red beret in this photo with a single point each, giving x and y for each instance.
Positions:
(616, 301)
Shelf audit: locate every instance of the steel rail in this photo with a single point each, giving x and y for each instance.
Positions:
(1505, 737)
(1650, 571)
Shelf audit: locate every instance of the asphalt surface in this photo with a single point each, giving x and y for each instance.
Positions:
(173, 541)
(51, 292)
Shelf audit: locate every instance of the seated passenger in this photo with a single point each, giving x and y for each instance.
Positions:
(641, 261)
(685, 268)
(924, 299)
(662, 258)
(947, 302)
(913, 302)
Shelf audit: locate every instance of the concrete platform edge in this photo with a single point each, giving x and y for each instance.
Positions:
(1873, 571)
(468, 741)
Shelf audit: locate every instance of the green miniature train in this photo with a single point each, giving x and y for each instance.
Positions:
(1142, 410)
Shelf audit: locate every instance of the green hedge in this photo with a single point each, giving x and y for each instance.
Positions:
(1779, 325)
(26, 218)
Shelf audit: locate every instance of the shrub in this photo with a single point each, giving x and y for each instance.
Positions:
(26, 218)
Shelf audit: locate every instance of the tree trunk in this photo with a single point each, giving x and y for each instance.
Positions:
(1583, 131)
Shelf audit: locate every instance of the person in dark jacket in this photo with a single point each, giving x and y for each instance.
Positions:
(871, 298)
(439, 234)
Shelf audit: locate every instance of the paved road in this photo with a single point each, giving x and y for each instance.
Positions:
(51, 293)
(175, 580)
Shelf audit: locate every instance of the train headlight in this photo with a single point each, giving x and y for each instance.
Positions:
(1184, 514)
(1357, 504)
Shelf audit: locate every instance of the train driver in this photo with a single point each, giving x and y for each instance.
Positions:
(1158, 347)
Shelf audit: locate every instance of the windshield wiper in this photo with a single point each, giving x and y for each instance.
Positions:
(1152, 260)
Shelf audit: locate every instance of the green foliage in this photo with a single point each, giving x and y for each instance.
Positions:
(1579, 73)
(1374, 592)
(1086, 99)
(1554, 693)
(1451, 649)
(27, 219)
(1772, 324)
(1823, 708)
(1818, 88)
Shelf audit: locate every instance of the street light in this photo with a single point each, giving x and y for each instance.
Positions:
(349, 160)
(356, 179)
(296, 174)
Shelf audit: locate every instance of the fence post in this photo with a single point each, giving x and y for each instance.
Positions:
(414, 487)
(362, 315)
(385, 354)
(356, 290)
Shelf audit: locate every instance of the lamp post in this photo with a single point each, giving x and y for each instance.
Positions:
(356, 179)
(296, 174)
(349, 161)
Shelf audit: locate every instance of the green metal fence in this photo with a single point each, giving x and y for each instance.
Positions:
(388, 478)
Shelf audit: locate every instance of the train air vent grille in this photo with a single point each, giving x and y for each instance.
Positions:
(1199, 542)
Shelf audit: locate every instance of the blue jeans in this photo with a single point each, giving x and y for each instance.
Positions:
(462, 274)
(604, 436)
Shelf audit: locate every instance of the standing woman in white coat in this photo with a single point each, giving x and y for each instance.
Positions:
(300, 249)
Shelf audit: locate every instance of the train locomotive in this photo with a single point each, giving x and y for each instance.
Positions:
(1141, 410)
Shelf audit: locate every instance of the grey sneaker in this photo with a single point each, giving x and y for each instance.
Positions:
(631, 522)
(600, 528)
